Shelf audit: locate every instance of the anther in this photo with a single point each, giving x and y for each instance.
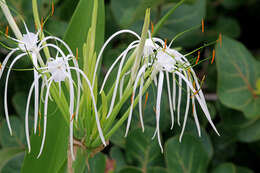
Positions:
(42, 23)
(146, 98)
(6, 31)
(220, 39)
(152, 26)
(52, 8)
(213, 56)
(165, 44)
(202, 26)
(77, 54)
(198, 58)
(132, 98)
(72, 117)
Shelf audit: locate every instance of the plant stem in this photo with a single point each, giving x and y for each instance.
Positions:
(39, 25)
(10, 20)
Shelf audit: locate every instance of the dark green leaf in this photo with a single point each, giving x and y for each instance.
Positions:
(7, 154)
(184, 17)
(55, 148)
(230, 168)
(188, 156)
(97, 164)
(142, 149)
(18, 137)
(237, 76)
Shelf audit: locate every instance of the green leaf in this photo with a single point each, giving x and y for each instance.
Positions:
(142, 149)
(184, 17)
(230, 168)
(228, 26)
(18, 137)
(249, 131)
(127, 13)
(188, 156)
(14, 165)
(238, 72)
(55, 148)
(97, 164)
(117, 155)
(77, 32)
(130, 169)
(6, 154)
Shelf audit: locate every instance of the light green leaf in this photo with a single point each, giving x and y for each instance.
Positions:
(7, 154)
(79, 25)
(237, 76)
(188, 156)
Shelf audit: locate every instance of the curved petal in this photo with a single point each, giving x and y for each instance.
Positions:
(141, 71)
(5, 92)
(105, 45)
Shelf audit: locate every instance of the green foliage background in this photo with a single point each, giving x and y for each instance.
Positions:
(230, 87)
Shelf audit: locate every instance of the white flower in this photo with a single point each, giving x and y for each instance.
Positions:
(59, 71)
(28, 47)
(57, 68)
(169, 61)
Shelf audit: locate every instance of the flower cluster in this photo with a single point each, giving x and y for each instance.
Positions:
(159, 60)
(49, 71)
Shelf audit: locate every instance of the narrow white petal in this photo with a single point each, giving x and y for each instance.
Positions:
(5, 93)
(114, 64)
(36, 92)
(202, 104)
(116, 86)
(132, 98)
(53, 46)
(44, 135)
(169, 96)
(27, 114)
(186, 113)
(179, 101)
(105, 45)
(71, 138)
(57, 39)
(45, 117)
(158, 104)
(94, 104)
(173, 91)
(195, 116)
(6, 60)
(140, 102)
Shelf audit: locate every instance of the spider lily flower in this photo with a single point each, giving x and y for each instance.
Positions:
(169, 61)
(28, 46)
(60, 71)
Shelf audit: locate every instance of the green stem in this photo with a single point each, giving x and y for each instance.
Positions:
(126, 95)
(38, 24)
(165, 17)
(10, 20)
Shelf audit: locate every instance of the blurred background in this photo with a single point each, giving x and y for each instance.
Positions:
(238, 147)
